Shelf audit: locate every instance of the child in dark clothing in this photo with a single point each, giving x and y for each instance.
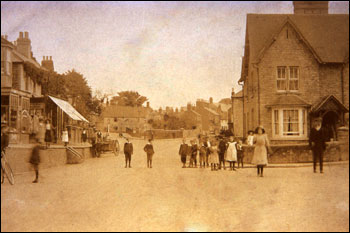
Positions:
(240, 155)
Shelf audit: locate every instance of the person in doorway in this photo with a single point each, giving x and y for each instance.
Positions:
(262, 146)
(84, 136)
(222, 151)
(40, 137)
(150, 152)
(48, 134)
(183, 152)
(128, 151)
(317, 142)
(231, 154)
(65, 137)
(240, 155)
(35, 160)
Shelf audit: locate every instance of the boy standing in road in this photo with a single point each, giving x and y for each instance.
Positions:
(183, 152)
(194, 152)
(35, 160)
(150, 152)
(128, 151)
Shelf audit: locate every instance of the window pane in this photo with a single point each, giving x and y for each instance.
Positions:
(290, 122)
(276, 120)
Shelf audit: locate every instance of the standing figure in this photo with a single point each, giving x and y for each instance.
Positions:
(214, 156)
(48, 135)
(222, 151)
(240, 155)
(250, 138)
(99, 136)
(231, 153)
(150, 152)
(207, 145)
(35, 160)
(194, 152)
(65, 137)
(40, 136)
(202, 155)
(84, 135)
(317, 142)
(183, 152)
(128, 151)
(260, 151)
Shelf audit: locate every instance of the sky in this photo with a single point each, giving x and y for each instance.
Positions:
(171, 52)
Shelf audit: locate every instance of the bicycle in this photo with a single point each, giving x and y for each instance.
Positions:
(6, 170)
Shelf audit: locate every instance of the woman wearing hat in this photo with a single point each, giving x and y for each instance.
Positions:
(260, 151)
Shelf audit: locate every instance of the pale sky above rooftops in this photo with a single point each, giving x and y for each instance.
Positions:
(171, 52)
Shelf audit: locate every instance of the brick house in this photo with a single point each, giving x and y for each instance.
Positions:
(295, 68)
(210, 117)
(238, 126)
(17, 88)
(124, 119)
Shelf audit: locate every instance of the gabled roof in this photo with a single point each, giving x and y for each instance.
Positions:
(288, 100)
(331, 101)
(18, 57)
(6, 42)
(328, 35)
(211, 111)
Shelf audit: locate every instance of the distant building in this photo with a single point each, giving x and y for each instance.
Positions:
(124, 119)
(238, 125)
(210, 117)
(296, 68)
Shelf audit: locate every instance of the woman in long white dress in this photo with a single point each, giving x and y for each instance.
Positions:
(260, 150)
(65, 137)
(231, 153)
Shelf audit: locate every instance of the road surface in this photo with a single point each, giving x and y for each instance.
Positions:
(101, 195)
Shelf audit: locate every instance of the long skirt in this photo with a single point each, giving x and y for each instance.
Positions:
(260, 156)
(48, 137)
(214, 158)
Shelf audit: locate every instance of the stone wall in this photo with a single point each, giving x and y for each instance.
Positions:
(18, 157)
(301, 153)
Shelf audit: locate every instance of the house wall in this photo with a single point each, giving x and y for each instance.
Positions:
(286, 51)
(238, 117)
(330, 80)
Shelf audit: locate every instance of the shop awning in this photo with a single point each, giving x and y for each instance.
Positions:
(68, 109)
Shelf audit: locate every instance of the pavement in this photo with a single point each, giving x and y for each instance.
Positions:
(101, 195)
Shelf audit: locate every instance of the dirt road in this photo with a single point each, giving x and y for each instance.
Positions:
(101, 195)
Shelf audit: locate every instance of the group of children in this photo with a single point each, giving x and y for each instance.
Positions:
(214, 153)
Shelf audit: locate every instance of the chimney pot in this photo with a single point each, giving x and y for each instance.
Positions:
(20, 34)
(26, 35)
(43, 57)
(50, 58)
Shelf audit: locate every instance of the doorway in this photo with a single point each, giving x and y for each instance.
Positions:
(330, 124)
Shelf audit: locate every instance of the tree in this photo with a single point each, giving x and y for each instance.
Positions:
(128, 98)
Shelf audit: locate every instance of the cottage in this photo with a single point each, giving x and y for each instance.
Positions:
(295, 68)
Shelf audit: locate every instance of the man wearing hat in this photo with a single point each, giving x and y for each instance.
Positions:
(317, 142)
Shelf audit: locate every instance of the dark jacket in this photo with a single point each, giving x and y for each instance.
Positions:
(194, 150)
(222, 147)
(4, 141)
(183, 150)
(149, 149)
(35, 157)
(128, 148)
(317, 137)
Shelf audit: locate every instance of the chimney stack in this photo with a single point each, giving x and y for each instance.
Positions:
(24, 45)
(147, 104)
(310, 7)
(47, 64)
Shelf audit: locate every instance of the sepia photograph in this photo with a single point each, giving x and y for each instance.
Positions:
(174, 116)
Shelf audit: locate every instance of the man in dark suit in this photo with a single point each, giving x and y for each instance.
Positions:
(317, 142)
(128, 151)
(184, 148)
